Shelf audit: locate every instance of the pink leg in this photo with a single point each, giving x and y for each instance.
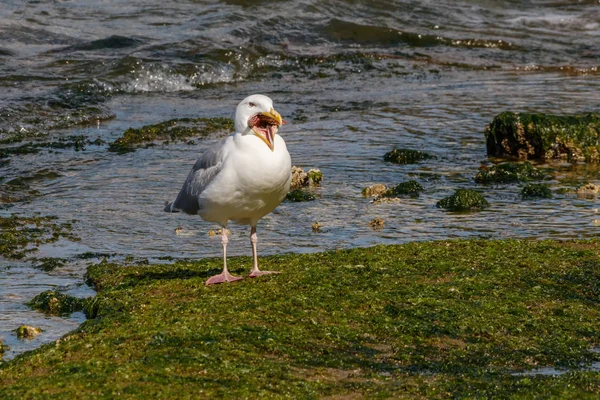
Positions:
(224, 276)
(255, 271)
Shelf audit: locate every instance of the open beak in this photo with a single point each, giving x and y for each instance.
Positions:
(266, 129)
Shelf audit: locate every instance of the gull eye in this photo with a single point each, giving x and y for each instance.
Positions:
(251, 104)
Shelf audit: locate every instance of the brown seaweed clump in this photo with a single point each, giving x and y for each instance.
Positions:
(302, 179)
(316, 227)
(588, 190)
(374, 190)
(377, 223)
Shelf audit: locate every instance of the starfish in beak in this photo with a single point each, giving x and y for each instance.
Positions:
(265, 125)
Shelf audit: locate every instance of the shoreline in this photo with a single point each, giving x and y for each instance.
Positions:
(458, 318)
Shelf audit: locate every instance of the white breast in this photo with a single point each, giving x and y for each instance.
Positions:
(253, 181)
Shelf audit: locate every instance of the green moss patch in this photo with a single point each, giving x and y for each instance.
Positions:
(299, 195)
(20, 235)
(544, 137)
(536, 190)
(27, 332)
(410, 188)
(508, 173)
(55, 303)
(172, 130)
(464, 200)
(450, 319)
(406, 156)
(75, 142)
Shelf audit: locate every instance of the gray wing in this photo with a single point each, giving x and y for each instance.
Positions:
(203, 172)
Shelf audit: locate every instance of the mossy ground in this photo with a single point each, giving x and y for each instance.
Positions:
(450, 319)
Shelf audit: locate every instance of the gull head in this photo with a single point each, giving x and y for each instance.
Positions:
(255, 115)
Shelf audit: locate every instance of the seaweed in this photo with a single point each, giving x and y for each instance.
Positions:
(55, 303)
(464, 200)
(18, 234)
(299, 195)
(509, 172)
(179, 129)
(406, 156)
(443, 319)
(544, 136)
(536, 190)
(409, 188)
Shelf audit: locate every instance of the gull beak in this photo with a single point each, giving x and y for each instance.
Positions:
(272, 121)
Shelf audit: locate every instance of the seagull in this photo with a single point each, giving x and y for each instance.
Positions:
(241, 178)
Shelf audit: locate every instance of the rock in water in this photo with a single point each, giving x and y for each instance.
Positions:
(544, 137)
(28, 332)
(464, 200)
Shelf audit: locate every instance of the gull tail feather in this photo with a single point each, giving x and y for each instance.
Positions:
(170, 207)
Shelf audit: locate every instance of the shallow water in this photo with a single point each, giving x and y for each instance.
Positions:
(353, 81)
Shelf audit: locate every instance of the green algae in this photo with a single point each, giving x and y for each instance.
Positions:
(299, 195)
(508, 173)
(544, 137)
(20, 234)
(406, 156)
(536, 190)
(55, 303)
(409, 188)
(464, 200)
(75, 142)
(49, 263)
(449, 319)
(178, 129)
(315, 176)
(27, 332)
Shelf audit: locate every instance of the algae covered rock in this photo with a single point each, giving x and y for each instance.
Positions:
(28, 332)
(299, 195)
(302, 179)
(464, 200)
(315, 176)
(374, 190)
(588, 190)
(544, 137)
(509, 172)
(172, 130)
(406, 156)
(56, 303)
(377, 224)
(410, 188)
(536, 190)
